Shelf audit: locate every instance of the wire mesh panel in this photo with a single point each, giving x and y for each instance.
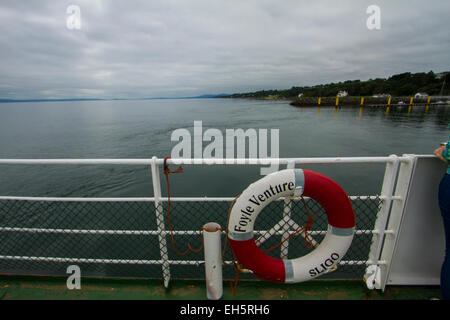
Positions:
(122, 238)
(103, 238)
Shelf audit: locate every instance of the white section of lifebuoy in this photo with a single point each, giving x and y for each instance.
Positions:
(255, 198)
(323, 259)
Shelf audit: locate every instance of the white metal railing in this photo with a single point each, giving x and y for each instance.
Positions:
(202, 161)
(393, 194)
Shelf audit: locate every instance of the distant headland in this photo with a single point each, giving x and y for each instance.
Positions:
(396, 89)
(205, 96)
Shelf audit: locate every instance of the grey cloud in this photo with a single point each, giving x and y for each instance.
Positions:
(178, 48)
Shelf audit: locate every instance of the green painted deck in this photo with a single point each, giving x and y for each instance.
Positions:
(54, 288)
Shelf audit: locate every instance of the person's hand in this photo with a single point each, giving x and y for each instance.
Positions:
(438, 153)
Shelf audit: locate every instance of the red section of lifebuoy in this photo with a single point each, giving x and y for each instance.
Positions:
(331, 197)
(263, 266)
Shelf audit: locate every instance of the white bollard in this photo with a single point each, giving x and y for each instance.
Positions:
(213, 260)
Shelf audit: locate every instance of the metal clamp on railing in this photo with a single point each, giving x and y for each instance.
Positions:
(373, 277)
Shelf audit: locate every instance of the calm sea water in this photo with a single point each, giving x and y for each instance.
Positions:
(142, 129)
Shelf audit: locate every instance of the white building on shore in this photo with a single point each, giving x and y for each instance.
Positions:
(342, 94)
(382, 95)
(421, 95)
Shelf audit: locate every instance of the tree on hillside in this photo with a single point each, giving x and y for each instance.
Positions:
(403, 84)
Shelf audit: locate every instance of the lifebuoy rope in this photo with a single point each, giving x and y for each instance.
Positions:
(306, 228)
(167, 171)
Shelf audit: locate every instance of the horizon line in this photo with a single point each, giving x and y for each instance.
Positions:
(6, 100)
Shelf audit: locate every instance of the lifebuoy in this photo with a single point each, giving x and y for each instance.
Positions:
(334, 200)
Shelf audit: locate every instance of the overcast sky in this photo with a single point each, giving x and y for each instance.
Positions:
(157, 48)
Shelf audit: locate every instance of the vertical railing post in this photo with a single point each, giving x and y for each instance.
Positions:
(159, 212)
(284, 249)
(387, 192)
(395, 219)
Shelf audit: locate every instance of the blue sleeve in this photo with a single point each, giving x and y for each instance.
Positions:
(446, 152)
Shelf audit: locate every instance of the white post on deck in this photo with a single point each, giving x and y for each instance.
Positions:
(213, 260)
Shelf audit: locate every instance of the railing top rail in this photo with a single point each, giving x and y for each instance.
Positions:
(203, 161)
(152, 199)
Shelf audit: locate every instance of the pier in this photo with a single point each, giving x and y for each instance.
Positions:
(370, 101)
